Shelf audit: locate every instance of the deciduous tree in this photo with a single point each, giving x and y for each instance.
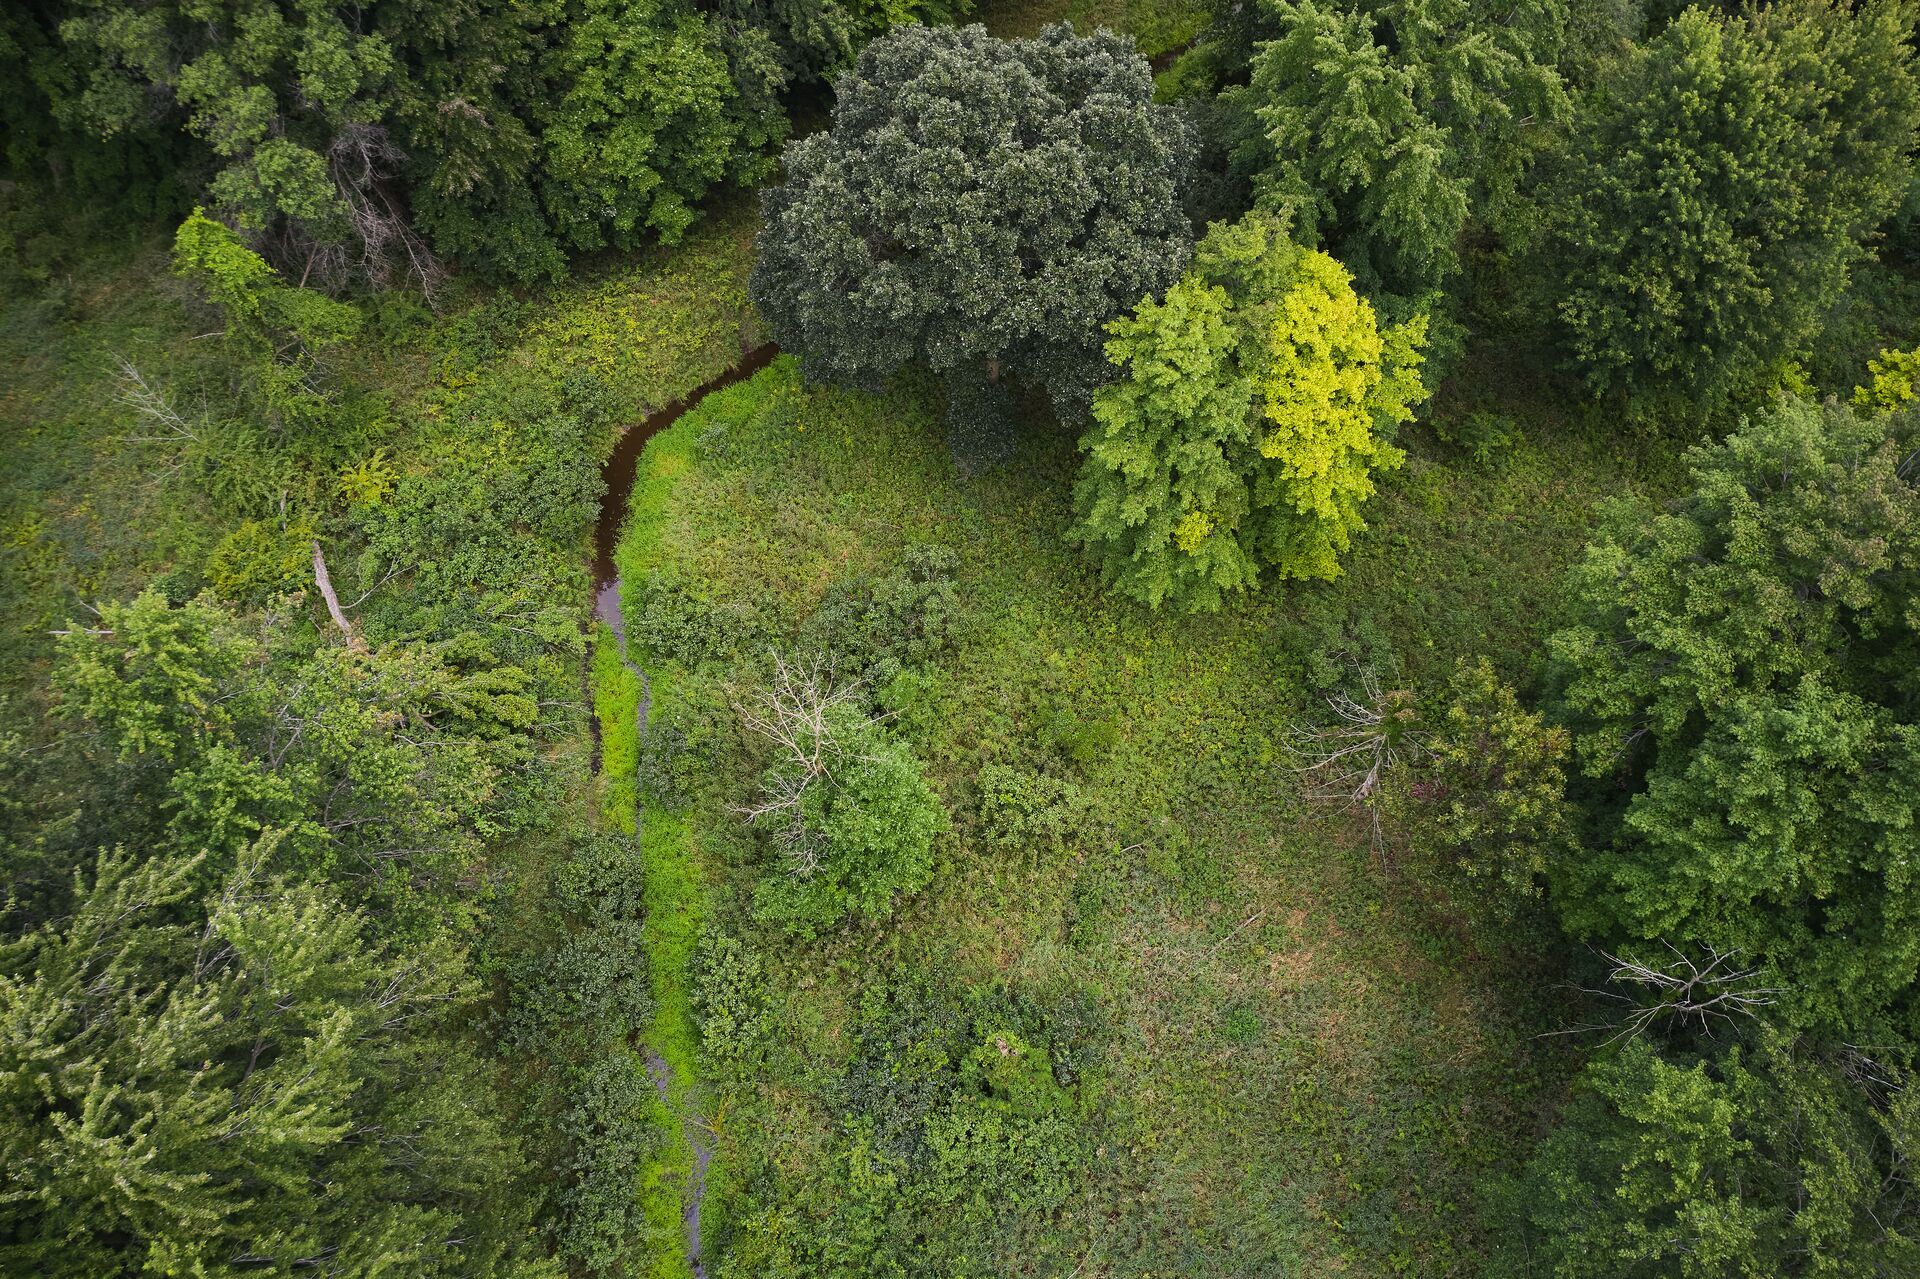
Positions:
(979, 205)
(1742, 673)
(1252, 406)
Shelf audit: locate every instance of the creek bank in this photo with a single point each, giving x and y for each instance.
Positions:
(618, 475)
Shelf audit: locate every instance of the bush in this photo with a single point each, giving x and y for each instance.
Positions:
(874, 819)
(1481, 435)
(844, 806)
(1490, 805)
(730, 997)
(609, 1139)
(1030, 814)
(906, 618)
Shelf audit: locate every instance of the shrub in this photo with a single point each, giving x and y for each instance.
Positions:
(730, 996)
(1028, 813)
(906, 618)
(845, 807)
(609, 1140)
(1491, 801)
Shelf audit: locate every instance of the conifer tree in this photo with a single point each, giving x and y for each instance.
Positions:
(1712, 208)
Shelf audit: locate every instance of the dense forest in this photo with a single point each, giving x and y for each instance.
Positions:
(779, 640)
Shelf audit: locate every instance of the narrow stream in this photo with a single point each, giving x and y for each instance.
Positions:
(619, 474)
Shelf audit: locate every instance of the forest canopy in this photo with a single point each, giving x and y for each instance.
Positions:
(814, 639)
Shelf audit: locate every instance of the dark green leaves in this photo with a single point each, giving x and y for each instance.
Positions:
(980, 205)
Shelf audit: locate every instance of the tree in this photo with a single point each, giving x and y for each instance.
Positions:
(1252, 407)
(1709, 214)
(980, 205)
(242, 1083)
(1490, 804)
(1383, 129)
(280, 334)
(290, 100)
(1778, 1161)
(1741, 676)
(847, 809)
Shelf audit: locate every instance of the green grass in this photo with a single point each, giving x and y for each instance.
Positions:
(1309, 1069)
(1156, 27)
(675, 887)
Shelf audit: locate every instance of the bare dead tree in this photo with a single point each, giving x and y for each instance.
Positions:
(1347, 761)
(363, 160)
(324, 581)
(368, 236)
(795, 712)
(1715, 989)
(154, 407)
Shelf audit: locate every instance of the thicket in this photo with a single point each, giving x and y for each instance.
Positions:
(365, 143)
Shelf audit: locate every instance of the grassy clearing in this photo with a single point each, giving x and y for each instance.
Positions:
(1156, 27)
(1307, 1069)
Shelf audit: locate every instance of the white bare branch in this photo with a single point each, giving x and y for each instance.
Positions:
(1713, 989)
(1346, 762)
(795, 712)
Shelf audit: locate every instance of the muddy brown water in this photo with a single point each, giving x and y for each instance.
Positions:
(618, 474)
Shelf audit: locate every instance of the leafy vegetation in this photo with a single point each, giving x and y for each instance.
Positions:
(1259, 396)
(1404, 766)
(981, 206)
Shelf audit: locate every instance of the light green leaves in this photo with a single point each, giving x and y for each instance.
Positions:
(1253, 406)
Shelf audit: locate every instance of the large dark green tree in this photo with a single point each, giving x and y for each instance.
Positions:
(1723, 187)
(1743, 678)
(983, 206)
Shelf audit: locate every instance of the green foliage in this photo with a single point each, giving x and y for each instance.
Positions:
(869, 819)
(1491, 799)
(639, 114)
(874, 627)
(288, 99)
(610, 1138)
(1483, 436)
(956, 1109)
(1383, 130)
(1744, 662)
(1778, 1162)
(1256, 401)
(981, 206)
(181, 1074)
(731, 997)
(1030, 814)
(1895, 374)
(343, 140)
(1723, 188)
(280, 336)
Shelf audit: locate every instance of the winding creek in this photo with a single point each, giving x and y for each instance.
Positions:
(618, 474)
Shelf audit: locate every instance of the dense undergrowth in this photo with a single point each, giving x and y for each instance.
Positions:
(973, 919)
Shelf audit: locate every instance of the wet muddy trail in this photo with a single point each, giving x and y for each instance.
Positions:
(618, 474)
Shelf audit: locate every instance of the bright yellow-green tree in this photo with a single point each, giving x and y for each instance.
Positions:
(1254, 404)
